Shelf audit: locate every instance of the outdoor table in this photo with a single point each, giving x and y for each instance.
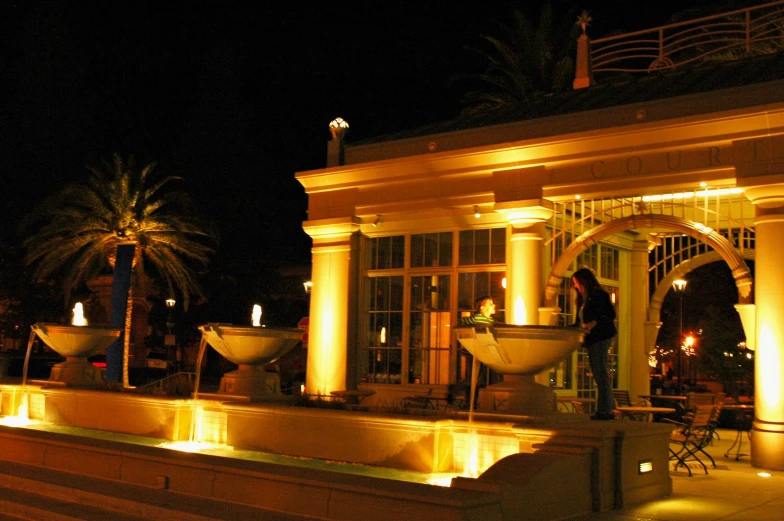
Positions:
(424, 402)
(568, 401)
(353, 397)
(676, 401)
(635, 412)
(671, 397)
(744, 415)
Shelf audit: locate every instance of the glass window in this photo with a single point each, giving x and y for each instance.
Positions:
(610, 262)
(482, 246)
(431, 250)
(382, 362)
(431, 332)
(407, 310)
(383, 253)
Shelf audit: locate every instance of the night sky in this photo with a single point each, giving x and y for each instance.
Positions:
(233, 96)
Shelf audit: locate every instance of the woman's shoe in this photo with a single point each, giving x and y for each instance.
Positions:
(602, 416)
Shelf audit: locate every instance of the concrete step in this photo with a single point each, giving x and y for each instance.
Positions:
(27, 505)
(35, 493)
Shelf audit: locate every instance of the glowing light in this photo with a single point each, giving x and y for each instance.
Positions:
(764, 474)
(78, 315)
(652, 361)
(383, 336)
(190, 446)
(476, 212)
(519, 311)
(689, 195)
(645, 466)
(503, 283)
(256, 316)
(471, 466)
(441, 481)
(769, 366)
(578, 197)
(308, 286)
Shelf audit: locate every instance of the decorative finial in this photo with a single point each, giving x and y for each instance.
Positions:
(584, 20)
(338, 127)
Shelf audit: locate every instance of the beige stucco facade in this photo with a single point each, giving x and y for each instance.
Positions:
(519, 175)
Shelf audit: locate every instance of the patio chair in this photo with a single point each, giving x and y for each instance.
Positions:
(692, 436)
(622, 399)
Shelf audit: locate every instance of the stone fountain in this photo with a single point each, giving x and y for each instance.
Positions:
(251, 348)
(76, 344)
(519, 353)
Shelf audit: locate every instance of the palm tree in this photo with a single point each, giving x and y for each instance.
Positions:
(85, 228)
(523, 61)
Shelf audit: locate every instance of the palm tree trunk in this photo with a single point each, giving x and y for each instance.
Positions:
(121, 289)
(127, 337)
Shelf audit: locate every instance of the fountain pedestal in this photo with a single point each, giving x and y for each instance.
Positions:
(75, 371)
(517, 394)
(251, 380)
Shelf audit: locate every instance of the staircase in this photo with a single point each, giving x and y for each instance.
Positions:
(34, 493)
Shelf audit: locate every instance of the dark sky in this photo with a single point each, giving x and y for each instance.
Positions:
(234, 96)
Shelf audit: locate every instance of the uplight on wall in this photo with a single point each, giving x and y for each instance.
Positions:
(644, 466)
(379, 220)
(476, 212)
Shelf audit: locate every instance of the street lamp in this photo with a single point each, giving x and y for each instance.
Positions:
(689, 341)
(170, 339)
(679, 285)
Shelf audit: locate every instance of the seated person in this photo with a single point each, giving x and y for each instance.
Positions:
(483, 314)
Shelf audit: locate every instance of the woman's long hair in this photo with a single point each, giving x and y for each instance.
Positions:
(588, 280)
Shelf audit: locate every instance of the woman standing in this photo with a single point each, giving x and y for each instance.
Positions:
(596, 315)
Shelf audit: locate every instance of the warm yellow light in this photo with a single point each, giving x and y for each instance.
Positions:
(476, 212)
(645, 466)
(764, 474)
(679, 284)
(519, 311)
(308, 286)
(689, 340)
(383, 336)
(78, 315)
(503, 283)
(170, 302)
(255, 316)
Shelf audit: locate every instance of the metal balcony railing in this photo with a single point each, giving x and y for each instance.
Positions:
(745, 32)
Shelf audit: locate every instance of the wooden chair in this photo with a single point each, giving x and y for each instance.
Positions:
(692, 436)
(622, 399)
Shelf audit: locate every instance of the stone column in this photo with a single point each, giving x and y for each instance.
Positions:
(639, 370)
(329, 304)
(767, 450)
(524, 277)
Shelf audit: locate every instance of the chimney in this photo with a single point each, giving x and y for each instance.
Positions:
(338, 128)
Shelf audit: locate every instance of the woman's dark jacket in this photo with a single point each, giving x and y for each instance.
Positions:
(599, 308)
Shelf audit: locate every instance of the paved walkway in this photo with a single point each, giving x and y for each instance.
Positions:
(731, 492)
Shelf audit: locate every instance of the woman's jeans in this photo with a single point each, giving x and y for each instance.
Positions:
(599, 358)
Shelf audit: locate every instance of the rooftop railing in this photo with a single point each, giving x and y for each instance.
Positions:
(731, 35)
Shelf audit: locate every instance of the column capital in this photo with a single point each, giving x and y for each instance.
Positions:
(527, 212)
(335, 229)
(766, 196)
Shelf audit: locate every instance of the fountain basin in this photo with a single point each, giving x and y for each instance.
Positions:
(251, 345)
(251, 348)
(519, 350)
(76, 341)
